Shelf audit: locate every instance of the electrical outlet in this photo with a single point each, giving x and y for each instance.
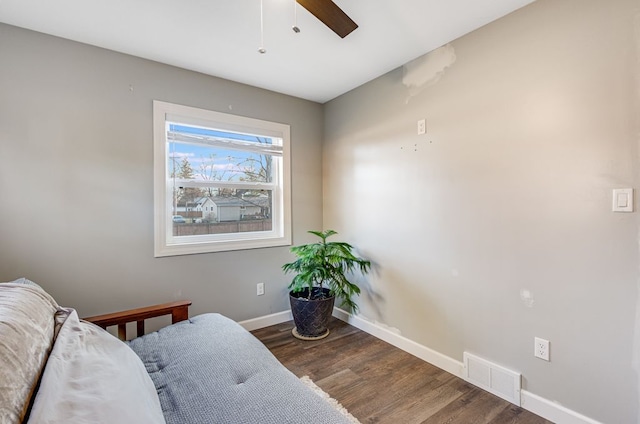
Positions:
(260, 289)
(422, 126)
(541, 348)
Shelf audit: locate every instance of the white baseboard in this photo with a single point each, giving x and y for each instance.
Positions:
(545, 408)
(552, 411)
(431, 356)
(266, 321)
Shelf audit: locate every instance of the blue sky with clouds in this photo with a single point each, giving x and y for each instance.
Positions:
(210, 162)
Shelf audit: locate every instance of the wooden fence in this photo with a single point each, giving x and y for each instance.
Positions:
(222, 227)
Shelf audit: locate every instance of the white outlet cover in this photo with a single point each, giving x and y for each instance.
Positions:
(541, 348)
(422, 126)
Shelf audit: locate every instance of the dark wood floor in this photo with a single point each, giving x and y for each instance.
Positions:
(379, 383)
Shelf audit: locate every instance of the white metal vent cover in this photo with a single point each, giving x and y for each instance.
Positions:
(493, 378)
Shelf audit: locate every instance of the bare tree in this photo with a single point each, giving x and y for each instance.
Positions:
(208, 170)
(259, 169)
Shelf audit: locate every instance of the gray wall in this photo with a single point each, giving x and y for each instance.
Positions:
(76, 179)
(506, 200)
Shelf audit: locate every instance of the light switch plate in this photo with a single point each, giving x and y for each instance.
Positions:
(622, 200)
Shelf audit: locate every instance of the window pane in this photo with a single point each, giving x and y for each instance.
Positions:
(210, 163)
(230, 211)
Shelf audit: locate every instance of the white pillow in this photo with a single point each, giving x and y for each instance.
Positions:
(92, 377)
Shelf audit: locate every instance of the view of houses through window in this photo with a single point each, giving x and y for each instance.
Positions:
(217, 180)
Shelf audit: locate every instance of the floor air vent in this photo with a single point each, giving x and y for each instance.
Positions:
(492, 378)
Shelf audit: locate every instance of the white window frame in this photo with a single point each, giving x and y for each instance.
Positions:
(165, 244)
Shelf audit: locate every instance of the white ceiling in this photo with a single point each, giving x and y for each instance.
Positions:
(221, 37)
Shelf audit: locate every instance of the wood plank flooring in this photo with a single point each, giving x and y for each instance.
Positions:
(379, 383)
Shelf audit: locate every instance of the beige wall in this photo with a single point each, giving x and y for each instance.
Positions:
(76, 179)
(506, 200)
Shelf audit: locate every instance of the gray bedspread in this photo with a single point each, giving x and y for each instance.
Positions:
(211, 370)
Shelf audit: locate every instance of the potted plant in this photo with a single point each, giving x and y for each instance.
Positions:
(321, 270)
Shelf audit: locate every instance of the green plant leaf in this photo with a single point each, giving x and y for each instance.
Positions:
(326, 263)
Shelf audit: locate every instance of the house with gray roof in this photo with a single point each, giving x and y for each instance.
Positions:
(232, 208)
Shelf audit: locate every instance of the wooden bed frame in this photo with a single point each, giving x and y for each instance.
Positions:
(179, 311)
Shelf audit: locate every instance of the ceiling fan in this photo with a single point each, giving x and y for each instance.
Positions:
(331, 15)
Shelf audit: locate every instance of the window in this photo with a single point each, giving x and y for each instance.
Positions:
(221, 181)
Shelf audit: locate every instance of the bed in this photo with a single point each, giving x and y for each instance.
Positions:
(58, 368)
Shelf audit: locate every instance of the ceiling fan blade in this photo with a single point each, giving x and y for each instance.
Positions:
(331, 15)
